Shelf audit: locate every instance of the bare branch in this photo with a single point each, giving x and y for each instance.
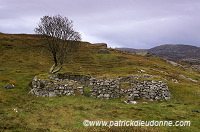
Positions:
(61, 38)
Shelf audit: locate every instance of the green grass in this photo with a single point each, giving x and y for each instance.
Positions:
(24, 56)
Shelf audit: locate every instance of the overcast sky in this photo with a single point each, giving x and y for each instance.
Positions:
(119, 23)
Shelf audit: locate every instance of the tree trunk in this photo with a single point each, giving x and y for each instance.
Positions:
(54, 71)
(52, 68)
(57, 70)
(55, 60)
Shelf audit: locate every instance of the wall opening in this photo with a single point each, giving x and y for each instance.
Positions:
(86, 91)
(125, 85)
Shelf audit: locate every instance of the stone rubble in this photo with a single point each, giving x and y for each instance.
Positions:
(9, 86)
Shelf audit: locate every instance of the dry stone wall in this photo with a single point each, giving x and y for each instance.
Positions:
(104, 88)
(132, 87)
(150, 90)
(46, 88)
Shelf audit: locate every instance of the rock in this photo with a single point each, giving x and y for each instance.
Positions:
(106, 95)
(103, 51)
(9, 86)
(196, 111)
(132, 102)
(15, 109)
(100, 96)
(35, 78)
(167, 98)
(141, 71)
(136, 92)
(131, 98)
(125, 102)
(52, 94)
(157, 98)
(172, 63)
(150, 99)
(174, 80)
(136, 95)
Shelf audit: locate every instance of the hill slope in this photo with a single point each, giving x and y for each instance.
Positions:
(24, 56)
(175, 52)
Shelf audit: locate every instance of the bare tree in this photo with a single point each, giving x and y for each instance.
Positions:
(60, 36)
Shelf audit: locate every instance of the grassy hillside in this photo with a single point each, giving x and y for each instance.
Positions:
(24, 56)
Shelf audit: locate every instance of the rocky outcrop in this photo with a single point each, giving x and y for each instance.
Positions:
(191, 61)
(187, 67)
(188, 78)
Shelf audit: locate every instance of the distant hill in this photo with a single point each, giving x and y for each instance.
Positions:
(178, 53)
(142, 52)
(128, 50)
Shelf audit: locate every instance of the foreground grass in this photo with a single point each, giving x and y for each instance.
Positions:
(23, 56)
(68, 113)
